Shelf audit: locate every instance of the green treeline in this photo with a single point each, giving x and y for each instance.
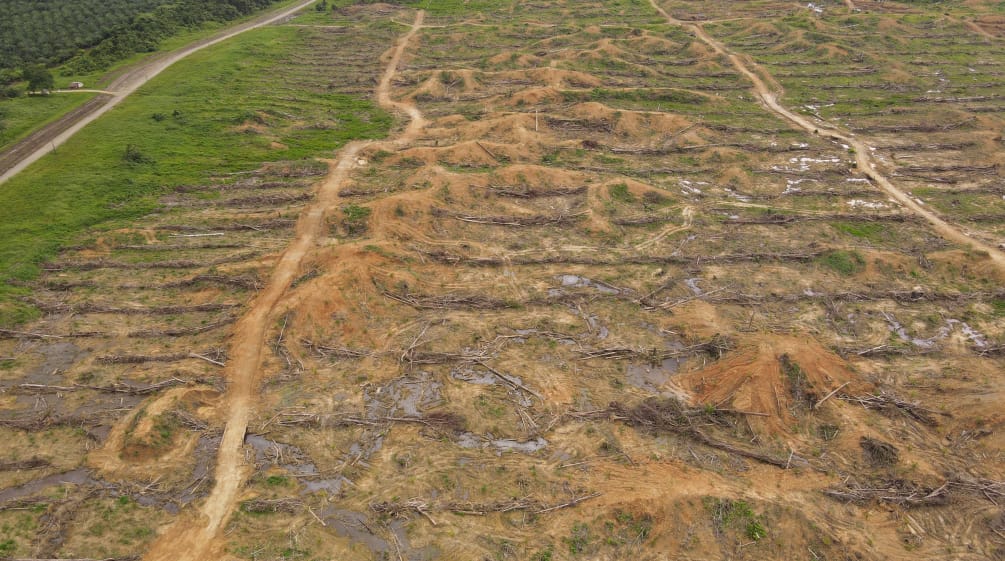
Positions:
(91, 35)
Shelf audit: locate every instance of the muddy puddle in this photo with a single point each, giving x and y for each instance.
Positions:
(404, 397)
(57, 357)
(653, 378)
(500, 445)
(976, 338)
(269, 453)
(377, 538)
(576, 281)
(80, 477)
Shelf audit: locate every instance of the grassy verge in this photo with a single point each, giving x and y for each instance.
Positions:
(23, 115)
(224, 109)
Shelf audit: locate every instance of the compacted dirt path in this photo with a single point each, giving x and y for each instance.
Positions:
(192, 539)
(863, 153)
(41, 142)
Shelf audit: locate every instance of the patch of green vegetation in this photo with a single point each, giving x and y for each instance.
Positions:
(545, 554)
(277, 481)
(872, 231)
(627, 529)
(619, 192)
(354, 220)
(727, 513)
(164, 428)
(22, 115)
(998, 307)
(846, 263)
(579, 538)
(86, 183)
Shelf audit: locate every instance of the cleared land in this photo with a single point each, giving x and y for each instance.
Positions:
(627, 279)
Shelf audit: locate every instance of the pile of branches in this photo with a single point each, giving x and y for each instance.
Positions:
(892, 491)
(98, 308)
(641, 220)
(213, 356)
(918, 147)
(778, 219)
(527, 192)
(515, 221)
(263, 200)
(295, 169)
(879, 453)
(441, 421)
(117, 387)
(401, 509)
(46, 419)
(579, 124)
(581, 259)
(291, 506)
(921, 127)
(181, 246)
(889, 403)
(172, 264)
(327, 351)
(183, 331)
(986, 170)
(670, 415)
(33, 463)
(912, 494)
(275, 224)
(447, 301)
(243, 184)
(715, 347)
(993, 350)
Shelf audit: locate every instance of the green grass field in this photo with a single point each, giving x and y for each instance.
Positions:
(21, 116)
(220, 110)
(24, 115)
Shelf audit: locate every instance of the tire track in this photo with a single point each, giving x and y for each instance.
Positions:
(192, 538)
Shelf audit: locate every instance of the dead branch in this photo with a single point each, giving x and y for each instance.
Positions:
(291, 506)
(183, 331)
(214, 356)
(447, 301)
(241, 281)
(892, 491)
(175, 264)
(888, 402)
(671, 415)
(113, 388)
(97, 308)
(326, 351)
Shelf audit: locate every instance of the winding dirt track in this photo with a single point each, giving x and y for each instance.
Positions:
(41, 142)
(192, 539)
(863, 153)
